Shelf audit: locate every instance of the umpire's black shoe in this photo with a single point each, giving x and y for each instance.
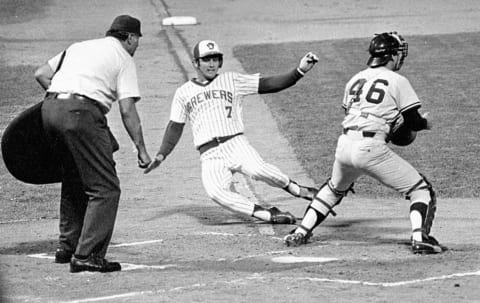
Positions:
(63, 256)
(93, 263)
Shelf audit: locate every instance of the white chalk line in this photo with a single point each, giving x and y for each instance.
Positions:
(212, 233)
(161, 291)
(268, 253)
(258, 278)
(387, 284)
(136, 243)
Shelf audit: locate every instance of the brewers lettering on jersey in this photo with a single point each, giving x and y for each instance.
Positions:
(373, 100)
(212, 103)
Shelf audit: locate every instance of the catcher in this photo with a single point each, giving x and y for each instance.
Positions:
(380, 106)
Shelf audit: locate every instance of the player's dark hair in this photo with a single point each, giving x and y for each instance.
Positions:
(120, 35)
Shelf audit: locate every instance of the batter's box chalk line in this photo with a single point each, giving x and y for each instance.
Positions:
(386, 284)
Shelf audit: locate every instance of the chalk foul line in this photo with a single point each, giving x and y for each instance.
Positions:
(388, 284)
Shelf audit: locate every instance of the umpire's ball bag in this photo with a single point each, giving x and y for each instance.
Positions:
(26, 152)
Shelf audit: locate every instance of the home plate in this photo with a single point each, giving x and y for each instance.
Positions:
(293, 259)
(179, 20)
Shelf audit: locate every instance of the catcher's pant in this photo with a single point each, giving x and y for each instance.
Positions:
(236, 155)
(81, 140)
(356, 155)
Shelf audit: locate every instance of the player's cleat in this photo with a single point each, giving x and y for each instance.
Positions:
(280, 217)
(63, 256)
(93, 263)
(296, 239)
(428, 245)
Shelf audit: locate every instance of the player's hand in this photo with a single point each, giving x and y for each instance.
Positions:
(307, 62)
(429, 122)
(156, 163)
(143, 159)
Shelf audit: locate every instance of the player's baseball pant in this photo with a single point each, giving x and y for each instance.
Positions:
(357, 155)
(236, 155)
(78, 133)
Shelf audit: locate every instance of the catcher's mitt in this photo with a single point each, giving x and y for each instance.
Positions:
(400, 134)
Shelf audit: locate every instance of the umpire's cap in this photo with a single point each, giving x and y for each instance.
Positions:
(126, 23)
(206, 48)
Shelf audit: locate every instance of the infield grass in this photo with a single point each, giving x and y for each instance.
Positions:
(443, 70)
(16, 11)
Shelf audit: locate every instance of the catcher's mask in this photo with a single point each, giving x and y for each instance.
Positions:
(386, 45)
(207, 48)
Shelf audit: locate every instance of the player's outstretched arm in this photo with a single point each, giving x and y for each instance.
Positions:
(307, 62)
(172, 135)
(273, 84)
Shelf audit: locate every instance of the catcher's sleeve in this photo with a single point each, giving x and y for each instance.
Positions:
(173, 132)
(413, 119)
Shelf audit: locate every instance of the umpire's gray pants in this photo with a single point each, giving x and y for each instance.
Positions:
(81, 139)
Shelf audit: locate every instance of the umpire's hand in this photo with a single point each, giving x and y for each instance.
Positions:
(156, 163)
(143, 159)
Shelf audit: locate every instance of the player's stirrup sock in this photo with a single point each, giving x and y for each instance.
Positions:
(297, 190)
(293, 188)
(261, 213)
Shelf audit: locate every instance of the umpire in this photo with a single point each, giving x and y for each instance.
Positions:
(82, 82)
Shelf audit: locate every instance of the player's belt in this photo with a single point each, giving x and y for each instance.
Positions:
(215, 142)
(73, 96)
(364, 133)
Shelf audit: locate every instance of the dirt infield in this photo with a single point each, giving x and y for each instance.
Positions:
(178, 246)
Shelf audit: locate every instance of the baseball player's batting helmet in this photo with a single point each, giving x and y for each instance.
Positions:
(206, 48)
(384, 46)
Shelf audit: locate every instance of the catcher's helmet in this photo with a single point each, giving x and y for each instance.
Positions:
(207, 48)
(384, 46)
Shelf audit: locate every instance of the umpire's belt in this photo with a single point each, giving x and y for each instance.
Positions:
(365, 134)
(215, 142)
(73, 96)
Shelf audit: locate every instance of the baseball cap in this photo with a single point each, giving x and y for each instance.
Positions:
(206, 48)
(126, 23)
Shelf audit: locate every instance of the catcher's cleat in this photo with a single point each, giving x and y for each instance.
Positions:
(296, 239)
(63, 256)
(280, 217)
(428, 245)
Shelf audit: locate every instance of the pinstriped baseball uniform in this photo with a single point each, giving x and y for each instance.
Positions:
(215, 110)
